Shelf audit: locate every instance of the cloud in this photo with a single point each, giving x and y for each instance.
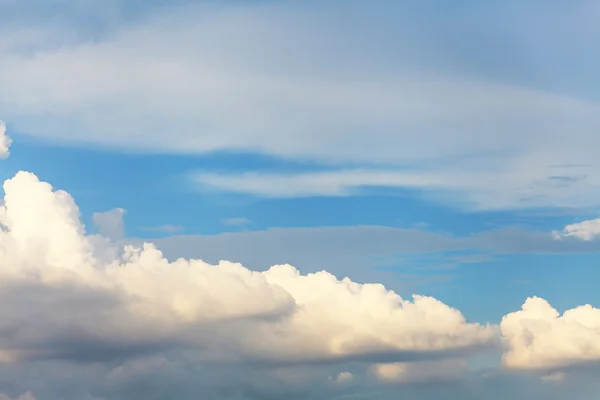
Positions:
(556, 377)
(470, 189)
(107, 308)
(110, 223)
(585, 230)
(5, 141)
(343, 250)
(134, 324)
(89, 316)
(24, 396)
(236, 221)
(355, 250)
(299, 82)
(539, 338)
(343, 378)
(420, 371)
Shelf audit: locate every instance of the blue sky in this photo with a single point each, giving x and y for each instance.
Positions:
(428, 146)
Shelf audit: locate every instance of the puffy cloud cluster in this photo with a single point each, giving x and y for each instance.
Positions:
(538, 337)
(65, 299)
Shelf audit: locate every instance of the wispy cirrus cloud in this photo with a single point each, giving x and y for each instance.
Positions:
(520, 186)
(409, 98)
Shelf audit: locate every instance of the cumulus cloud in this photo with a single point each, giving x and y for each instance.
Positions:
(140, 301)
(539, 338)
(5, 141)
(585, 230)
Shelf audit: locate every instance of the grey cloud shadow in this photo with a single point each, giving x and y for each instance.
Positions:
(81, 324)
(351, 250)
(66, 322)
(375, 357)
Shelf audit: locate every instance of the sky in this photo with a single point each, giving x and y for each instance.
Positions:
(265, 199)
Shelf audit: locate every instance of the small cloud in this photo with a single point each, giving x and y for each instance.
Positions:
(170, 229)
(5, 141)
(110, 223)
(24, 396)
(343, 378)
(236, 221)
(556, 377)
(585, 230)
(421, 371)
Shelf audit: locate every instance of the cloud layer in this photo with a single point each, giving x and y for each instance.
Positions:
(272, 85)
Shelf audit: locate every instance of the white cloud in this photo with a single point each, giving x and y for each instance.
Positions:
(538, 337)
(518, 185)
(284, 82)
(585, 230)
(5, 141)
(286, 316)
(110, 223)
